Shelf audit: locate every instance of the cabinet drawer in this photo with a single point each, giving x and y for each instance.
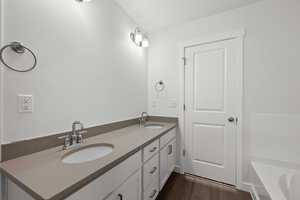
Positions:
(151, 150)
(150, 172)
(152, 191)
(167, 137)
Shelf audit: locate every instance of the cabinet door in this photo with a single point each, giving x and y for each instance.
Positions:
(171, 156)
(14, 192)
(163, 166)
(167, 162)
(130, 190)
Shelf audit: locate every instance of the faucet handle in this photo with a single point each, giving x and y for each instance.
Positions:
(82, 132)
(67, 141)
(80, 137)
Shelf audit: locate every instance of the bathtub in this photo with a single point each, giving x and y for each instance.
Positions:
(280, 181)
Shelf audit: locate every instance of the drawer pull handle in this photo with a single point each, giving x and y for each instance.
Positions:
(153, 194)
(120, 196)
(170, 149)
(153, 170)
(153, 149)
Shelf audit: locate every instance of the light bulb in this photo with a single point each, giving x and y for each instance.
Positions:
(145, 42)
(138, 38)
(84, 0)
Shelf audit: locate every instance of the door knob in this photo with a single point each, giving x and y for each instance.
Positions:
(231, 119)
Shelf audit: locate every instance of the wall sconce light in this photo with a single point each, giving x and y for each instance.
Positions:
(83, 0)
(139, 38)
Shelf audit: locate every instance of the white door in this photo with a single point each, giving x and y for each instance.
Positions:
(211, 81)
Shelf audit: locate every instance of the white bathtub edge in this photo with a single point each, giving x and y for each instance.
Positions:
(254, 194)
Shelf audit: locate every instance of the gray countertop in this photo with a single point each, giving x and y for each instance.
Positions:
(45, 177)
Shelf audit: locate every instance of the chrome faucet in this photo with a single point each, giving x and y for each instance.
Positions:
(75, 137)
(75, 132)
(143, 118)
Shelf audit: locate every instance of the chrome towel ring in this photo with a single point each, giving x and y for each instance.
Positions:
(18, 48)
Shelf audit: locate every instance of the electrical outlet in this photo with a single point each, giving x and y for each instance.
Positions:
(25, 103)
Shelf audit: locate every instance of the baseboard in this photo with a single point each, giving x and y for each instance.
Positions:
(245, 186)
(178, 169)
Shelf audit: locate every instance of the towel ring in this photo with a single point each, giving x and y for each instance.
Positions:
(18, 48)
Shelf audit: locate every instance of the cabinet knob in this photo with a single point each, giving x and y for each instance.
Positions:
(231, 119)
(153, 170)
(153, 149)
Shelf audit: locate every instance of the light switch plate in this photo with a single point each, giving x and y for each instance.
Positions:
(154, 104)
(172, 104)
(25, 103)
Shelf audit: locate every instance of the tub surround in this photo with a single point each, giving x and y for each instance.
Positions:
(38, 173)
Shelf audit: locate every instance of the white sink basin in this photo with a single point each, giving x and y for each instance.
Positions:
(154, 126)
(88, 153)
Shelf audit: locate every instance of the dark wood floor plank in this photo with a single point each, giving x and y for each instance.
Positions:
(178, 187)
(187, 187)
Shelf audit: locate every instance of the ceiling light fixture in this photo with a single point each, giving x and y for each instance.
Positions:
(139, 38)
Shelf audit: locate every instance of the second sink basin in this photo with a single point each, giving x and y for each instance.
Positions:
(153, 126)
(88, 153)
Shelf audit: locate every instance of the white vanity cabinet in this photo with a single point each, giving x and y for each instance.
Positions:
(159, 163)
(151, 171)
(139, 177)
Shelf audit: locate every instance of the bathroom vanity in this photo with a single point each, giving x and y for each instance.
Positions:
(138, 167)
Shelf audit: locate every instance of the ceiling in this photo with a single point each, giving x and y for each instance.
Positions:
(153, 15)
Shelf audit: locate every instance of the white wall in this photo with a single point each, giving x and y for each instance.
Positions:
(271, 74)
(88, 68)
(1, 98)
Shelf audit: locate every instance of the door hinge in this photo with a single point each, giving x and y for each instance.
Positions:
(183, 152)
(184, 61)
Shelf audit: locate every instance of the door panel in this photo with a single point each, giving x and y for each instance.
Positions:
(208, 91)
(163, 170)
(171, 156)
(167, 161)
(203, 151)
(210, 82)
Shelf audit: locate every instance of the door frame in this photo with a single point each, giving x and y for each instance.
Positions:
(238, 35)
